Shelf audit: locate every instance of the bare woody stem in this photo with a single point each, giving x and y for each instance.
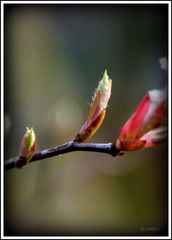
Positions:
(71, 146)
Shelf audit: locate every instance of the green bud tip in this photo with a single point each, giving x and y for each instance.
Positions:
(104, 82)
(105, 76)
(30, 136)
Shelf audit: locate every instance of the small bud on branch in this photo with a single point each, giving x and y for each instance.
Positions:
(27, 148)
(97, 109)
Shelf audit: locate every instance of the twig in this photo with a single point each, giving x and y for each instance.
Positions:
(71, 146)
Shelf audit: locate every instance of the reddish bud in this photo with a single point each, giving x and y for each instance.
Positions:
(144, 127)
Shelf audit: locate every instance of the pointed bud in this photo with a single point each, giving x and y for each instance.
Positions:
(27, 148)
(97, 109)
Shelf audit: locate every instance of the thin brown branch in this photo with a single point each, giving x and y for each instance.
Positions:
(71, 146)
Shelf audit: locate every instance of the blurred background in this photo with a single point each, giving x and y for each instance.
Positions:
(55, 56)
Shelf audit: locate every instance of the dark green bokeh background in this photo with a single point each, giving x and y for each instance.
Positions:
(54, 57)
